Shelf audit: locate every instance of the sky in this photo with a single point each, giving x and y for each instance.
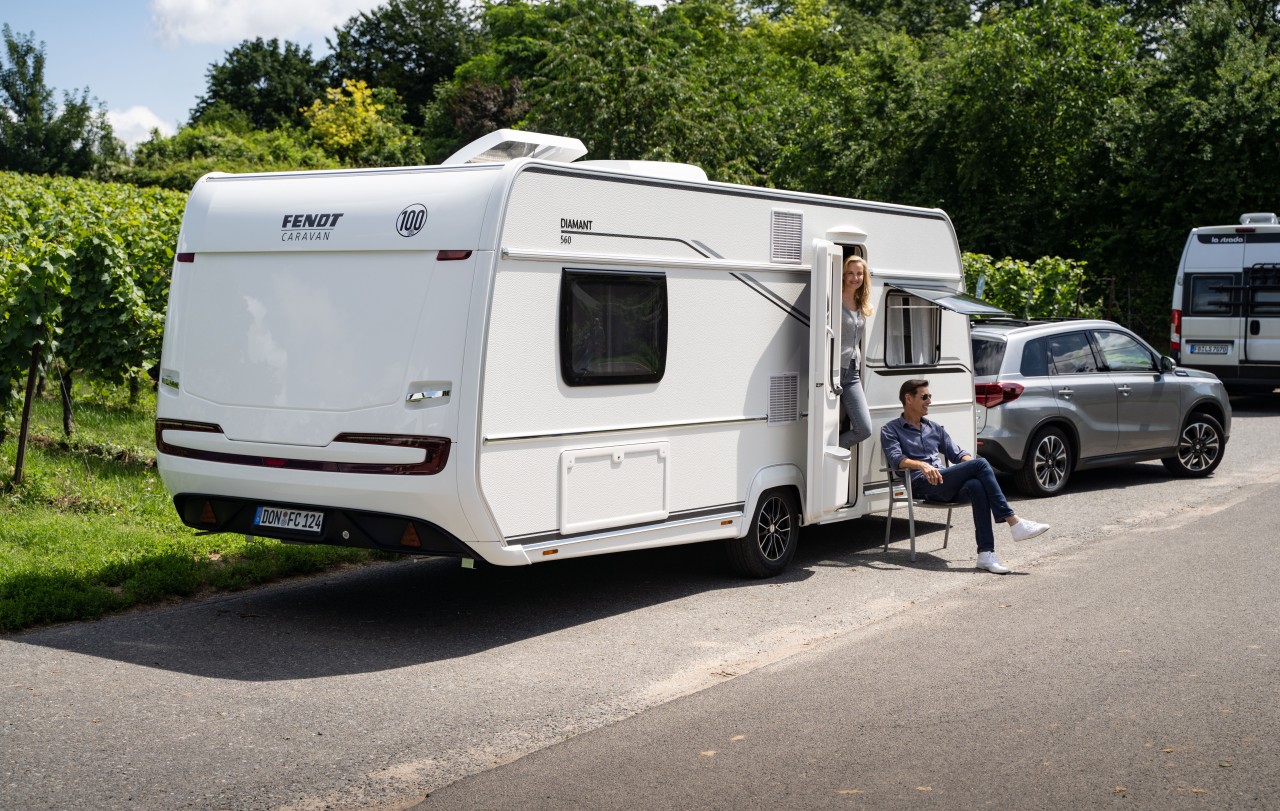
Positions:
(147, 61)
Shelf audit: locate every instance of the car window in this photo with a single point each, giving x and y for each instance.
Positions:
(1035, 358)
(987, 355)
(1123, 353)
(1071, 354)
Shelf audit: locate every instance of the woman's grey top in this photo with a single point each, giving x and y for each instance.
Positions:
(851, 324)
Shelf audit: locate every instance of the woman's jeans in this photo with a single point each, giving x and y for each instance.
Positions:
(855, 405)
(975, 482)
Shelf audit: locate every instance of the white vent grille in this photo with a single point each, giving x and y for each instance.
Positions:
(784, 398)
(786, 236)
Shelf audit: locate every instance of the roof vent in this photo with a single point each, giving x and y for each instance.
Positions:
(786, 236)
(501, 146)
(1259, 218)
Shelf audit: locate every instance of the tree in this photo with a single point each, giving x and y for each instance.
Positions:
(260, 83)
(36, 136)
(408, 46)
(360, 125)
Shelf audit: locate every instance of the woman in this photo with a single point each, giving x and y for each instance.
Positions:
(856, 298)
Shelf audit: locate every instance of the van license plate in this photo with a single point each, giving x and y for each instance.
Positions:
(1210, 349)
(277, 518)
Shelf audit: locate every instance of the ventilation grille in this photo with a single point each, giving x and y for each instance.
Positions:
(785, 236)
(784, 398)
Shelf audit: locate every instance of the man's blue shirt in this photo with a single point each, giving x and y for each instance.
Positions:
(928, 443)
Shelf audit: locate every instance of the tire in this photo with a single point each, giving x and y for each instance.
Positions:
(1200, 447)
(1047, 466)
(770, 543)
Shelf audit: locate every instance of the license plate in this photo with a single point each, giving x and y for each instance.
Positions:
(1210, 349)
(279, 518)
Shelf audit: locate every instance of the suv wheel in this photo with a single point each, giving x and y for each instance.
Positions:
(1199, 448)
(1047, 466)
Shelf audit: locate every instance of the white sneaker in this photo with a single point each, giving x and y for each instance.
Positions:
(989, 561)
(1025, 530)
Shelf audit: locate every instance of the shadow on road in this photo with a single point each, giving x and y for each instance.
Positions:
(387, 616)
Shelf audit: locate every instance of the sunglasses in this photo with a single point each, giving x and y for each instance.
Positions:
(923, 396)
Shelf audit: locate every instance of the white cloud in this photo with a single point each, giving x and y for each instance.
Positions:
(134, 125)
(223, 22)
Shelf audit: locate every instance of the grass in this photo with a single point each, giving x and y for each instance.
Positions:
(91, 529)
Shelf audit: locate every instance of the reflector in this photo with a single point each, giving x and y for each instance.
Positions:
(410, 537)
(206, 514)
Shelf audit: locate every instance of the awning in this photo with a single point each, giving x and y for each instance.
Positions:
(951, 300)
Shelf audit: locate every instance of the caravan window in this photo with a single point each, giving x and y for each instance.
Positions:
(914, 331)
(613, 327)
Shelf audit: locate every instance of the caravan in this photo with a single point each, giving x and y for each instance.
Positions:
(517, 356)
(1226, 303)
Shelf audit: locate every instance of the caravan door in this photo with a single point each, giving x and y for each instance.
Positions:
(827, 476)
(1261, 312)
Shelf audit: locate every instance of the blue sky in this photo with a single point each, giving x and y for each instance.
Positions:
(146, 60)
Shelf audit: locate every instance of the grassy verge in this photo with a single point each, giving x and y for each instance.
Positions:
(92, 530)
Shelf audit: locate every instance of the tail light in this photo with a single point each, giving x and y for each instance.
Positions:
(991, 395)
(1175, 330)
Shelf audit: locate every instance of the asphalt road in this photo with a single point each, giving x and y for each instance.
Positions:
(857, 680)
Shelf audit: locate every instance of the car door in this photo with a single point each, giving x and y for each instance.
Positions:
(1148, 408)
(1084, 393)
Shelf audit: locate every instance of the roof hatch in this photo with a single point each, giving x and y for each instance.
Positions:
(501, 146)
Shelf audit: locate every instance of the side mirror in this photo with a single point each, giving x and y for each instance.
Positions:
(1167, 364)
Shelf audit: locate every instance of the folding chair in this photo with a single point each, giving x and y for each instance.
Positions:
(900, 493)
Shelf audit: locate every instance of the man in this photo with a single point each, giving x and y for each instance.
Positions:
(917, 444)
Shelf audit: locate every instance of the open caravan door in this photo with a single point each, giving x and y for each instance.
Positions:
(827, 472)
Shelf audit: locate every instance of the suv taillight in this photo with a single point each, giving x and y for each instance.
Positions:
(991, 395)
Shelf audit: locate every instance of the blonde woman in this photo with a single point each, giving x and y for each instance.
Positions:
(856, 298)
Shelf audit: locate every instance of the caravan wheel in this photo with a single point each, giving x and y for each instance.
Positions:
(771, 541)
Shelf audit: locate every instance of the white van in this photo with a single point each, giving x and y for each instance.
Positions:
(1226, 303)
(515, 357)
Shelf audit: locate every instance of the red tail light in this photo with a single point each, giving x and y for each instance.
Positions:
(991, 395)
(1175, 330)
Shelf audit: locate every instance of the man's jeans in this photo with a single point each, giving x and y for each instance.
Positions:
(975, 482)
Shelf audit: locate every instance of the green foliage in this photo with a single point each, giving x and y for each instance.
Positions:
(178, 161)
(84, 269)
(359, 125)
(260, 83)
(1049, 287)
(37, 134)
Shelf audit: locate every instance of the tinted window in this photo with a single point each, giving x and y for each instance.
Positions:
(1123, 353)
(1035, 358)
(1070, 354)
(987, 354)
(613, 327)
(1210, 296)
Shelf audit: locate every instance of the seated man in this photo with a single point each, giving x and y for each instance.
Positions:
(914, 443)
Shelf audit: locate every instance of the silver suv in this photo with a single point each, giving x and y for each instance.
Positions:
(1054, 397)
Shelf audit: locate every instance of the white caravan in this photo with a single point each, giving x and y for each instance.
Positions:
(515, 357)
(1226, 303)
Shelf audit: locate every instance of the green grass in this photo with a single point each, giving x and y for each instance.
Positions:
(92, 530)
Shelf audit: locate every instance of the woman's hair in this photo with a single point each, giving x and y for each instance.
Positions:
(861, 297)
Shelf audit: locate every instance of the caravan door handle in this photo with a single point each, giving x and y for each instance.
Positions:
(1255, 326)
(836, 388)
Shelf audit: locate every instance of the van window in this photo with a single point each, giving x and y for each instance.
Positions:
(1210, 295)
(1071, 354)
(1122, 353)
(613, 327)
(914, 331)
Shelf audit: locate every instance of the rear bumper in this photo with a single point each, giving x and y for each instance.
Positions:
(341, 527)
(997, 455)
